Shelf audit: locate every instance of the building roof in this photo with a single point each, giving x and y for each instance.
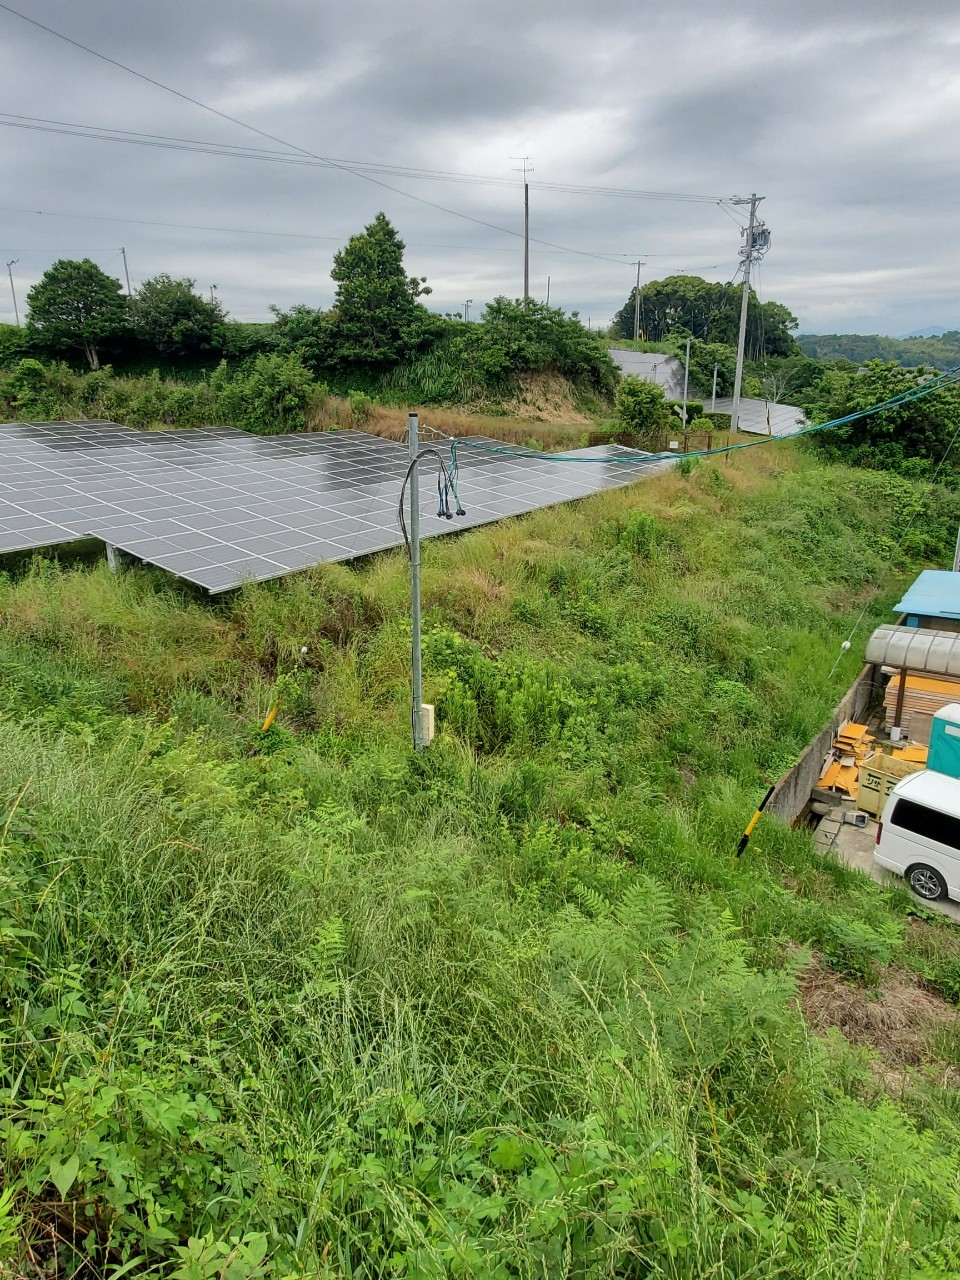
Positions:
(935, 594)
(935, 790)
(936, 652)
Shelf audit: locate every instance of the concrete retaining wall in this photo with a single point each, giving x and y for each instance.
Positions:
(793, 790)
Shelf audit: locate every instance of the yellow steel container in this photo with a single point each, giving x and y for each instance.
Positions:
(879, 774)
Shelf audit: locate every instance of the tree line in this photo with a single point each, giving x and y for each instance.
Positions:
(679, 306)
(942, 352)
(377, 329)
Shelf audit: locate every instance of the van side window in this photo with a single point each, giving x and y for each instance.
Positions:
(927, 822)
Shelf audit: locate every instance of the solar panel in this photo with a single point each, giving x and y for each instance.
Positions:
(221, 507)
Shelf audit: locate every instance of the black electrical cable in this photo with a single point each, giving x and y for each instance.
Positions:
(444, 492)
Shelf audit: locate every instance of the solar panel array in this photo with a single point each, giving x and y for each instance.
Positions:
(221, 507)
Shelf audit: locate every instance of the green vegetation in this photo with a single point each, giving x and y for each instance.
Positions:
(460, 363)
(77, 307)
(682, 305)
(378, 340)
(299, 1004)
(942, 352)
(274, 393)
(170, 318)
(914, 439)
(376, 319)
(641, 406)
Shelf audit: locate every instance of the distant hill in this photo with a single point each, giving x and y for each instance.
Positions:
(931, 331)
(940, 352)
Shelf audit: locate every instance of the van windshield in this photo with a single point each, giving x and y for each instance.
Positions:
(930, 823)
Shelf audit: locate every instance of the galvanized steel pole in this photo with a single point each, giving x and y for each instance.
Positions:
(686, 384)
(416, 658)
(126, 270)
(636, 308)
(13, 292)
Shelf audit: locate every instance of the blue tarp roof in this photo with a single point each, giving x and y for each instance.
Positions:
(936, 593)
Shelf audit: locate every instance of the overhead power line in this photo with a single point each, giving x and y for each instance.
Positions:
(303, 151)
(206, 146)
(260, 231)
(290, 146)
(239, 154)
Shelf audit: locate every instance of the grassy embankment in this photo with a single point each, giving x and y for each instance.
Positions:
(508, 1009)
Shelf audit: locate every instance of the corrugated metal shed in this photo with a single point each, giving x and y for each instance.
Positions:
(918, 649)
(936, 593)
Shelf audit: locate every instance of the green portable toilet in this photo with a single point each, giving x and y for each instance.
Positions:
(944, 754)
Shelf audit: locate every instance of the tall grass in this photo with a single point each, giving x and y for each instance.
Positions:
(303, 1004)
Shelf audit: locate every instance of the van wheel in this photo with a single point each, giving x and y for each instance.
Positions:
(927, 883)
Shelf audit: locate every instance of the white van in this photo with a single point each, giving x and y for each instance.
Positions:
(919, 834)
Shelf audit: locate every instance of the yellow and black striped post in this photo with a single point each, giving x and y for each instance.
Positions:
(745, 838)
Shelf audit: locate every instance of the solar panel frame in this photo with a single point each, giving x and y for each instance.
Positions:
(220, 507)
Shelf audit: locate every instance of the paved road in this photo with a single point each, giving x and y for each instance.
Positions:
(855, 845)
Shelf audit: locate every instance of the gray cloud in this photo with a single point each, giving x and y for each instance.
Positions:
(842, 116)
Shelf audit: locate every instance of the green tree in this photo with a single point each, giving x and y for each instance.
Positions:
(641, 406)
(13, 345)
(681, 305)
(310, 334)
(532, 336)
(703, 357)
(77, 307)
(168, 316)
(377, 318)
(911, 438)
(942, 352)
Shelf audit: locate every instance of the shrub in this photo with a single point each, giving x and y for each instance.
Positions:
(360, 405)
(641, 406)
(694, 410)
(276, 395)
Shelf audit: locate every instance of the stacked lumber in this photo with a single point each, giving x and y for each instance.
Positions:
(922, 699)
(841, 769)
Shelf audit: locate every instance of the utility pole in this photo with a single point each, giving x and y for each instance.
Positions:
(213, 287)
(713, 401)
(126, 270)
(527, 168)
(413, 443)
(686, 384)
(746, 257)
(956, 556)
(13, 292)
(636, 308)
(466, 310)
(548, 291)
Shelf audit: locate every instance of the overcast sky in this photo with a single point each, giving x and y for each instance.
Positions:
(843, 115)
